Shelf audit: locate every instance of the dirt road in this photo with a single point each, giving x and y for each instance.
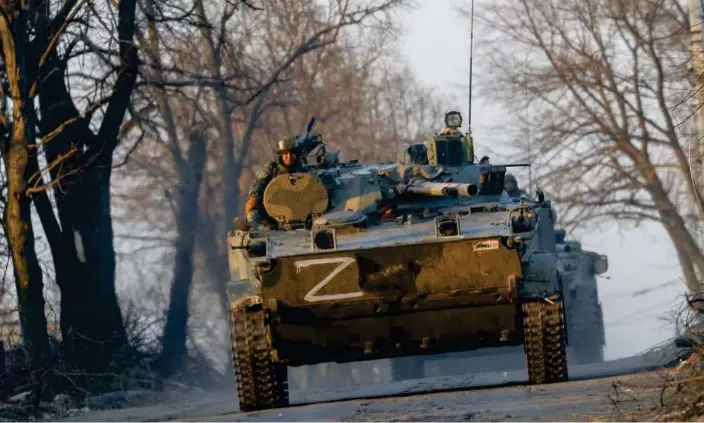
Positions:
(585, 400)
(573, 401)
(484, 396)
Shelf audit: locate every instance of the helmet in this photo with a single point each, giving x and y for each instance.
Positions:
(286, 145)
(418, 153)
(510, 178)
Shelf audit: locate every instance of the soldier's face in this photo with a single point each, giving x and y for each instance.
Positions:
(288, 158)
(510, 186)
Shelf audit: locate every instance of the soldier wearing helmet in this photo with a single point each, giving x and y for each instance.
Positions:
(288, 162)
(511, 187)
(418, 154)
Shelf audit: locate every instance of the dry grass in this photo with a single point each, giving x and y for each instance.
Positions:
(63, 390)
(677, 396)
(678, 393)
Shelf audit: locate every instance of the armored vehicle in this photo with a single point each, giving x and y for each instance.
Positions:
(359, 262)
(585, 321)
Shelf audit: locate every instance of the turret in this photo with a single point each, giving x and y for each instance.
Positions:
(437, 173)
(451, 147)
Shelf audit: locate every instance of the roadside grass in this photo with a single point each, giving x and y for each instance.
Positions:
(130, 381)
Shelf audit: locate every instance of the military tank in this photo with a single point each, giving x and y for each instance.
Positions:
(361, 262)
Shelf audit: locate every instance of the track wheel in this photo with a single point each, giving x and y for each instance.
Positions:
(261, 383)
(544, 329)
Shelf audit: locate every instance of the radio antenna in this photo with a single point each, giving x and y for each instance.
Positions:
(530, 155)
(471, 46)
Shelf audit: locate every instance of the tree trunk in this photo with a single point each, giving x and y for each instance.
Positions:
(696, 16)
(234, 168)
(213, 60)
(18, 223)
(87, 226)
(2, 363)
(210, 232)
(688, 271)
(94, 331)
(690, 256)
(28, 273)
(92, 325)
(687, 249)
(91, 321)
(175, 331)
(216, 264)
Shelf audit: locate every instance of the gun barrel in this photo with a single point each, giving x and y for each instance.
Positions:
(441, 189)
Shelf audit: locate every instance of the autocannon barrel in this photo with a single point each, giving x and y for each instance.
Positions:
(440, 189)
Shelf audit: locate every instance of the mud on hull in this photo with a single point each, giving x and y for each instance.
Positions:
(393, 334)
(393, 301)
(385, 302)
(385, 274)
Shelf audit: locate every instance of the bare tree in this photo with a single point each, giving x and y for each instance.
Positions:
(33, 69)
(17, 132)
(189, 164)
(607, 87)
(80, 234)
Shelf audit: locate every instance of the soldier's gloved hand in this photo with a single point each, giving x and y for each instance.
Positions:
(253, 217)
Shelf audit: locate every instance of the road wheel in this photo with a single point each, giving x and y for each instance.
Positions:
(544, 344)
(261, 383)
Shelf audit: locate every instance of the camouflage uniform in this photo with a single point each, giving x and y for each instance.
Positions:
(270, 171)
(515, 192)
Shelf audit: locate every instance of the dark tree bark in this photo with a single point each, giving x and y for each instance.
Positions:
(82, 240)
(190, 171)
(18, 223)
(211, 245)
(175, 331)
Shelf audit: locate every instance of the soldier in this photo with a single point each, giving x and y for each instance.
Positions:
(288, 162)
(418, 154)
(511, 187)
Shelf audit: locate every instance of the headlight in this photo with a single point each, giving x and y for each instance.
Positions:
(601, 264)
(453, 120)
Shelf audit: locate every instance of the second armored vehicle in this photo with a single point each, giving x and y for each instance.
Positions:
(585, 321)
(363, 262)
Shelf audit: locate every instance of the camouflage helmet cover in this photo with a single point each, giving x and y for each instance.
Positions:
(286, 145)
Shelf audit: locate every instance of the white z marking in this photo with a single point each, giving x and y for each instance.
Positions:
(344, 262)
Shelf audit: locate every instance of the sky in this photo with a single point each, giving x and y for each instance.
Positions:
(638, 258)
